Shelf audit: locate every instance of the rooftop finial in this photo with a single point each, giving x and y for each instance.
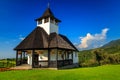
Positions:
(48, 5)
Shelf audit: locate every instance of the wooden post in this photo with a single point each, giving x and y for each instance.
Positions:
(16, 58)
(65, 55)
(24, 57)
(48, 57)
(72, 55)
(68, 55)
(33, 58)
(21, 58)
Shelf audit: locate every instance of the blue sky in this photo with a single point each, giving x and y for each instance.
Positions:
(85, 22)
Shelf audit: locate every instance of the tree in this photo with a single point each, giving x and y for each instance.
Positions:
(98, 55)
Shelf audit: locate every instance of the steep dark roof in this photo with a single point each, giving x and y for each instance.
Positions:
(48, 13)
(39, 39)
(68, 41)
(58, 41)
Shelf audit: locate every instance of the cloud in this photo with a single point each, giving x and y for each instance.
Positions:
(21, 37)
(93, 41)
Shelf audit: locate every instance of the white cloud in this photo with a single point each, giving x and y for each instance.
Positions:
(21, 37)
(93, 41)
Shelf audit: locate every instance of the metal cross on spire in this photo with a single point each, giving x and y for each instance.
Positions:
(48, 4)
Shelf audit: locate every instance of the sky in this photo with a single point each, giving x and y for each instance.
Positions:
(87, 23)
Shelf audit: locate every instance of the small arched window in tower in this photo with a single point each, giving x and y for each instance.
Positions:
(40, 22)
(51, 20)
(46, 20)
(56, 22)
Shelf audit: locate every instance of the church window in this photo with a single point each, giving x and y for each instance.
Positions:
(39, 22)
(56, 23)
(46, 20)
(52, 20)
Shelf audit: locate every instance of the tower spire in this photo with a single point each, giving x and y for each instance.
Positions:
(48, 21)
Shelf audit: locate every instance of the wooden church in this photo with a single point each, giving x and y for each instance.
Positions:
(45, 47)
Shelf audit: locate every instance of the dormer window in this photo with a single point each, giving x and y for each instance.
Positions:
(46, 20)
(40, 22)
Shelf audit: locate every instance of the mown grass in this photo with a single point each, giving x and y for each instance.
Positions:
(107, 72)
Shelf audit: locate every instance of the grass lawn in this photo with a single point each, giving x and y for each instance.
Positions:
(107, 72)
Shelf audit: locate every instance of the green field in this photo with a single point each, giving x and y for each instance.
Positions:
(6, 63)
(107, 72)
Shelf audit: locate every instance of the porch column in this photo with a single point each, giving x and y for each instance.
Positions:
(16, 58)
(33, 51)
(21, 58)
(65, 55)
(68, 57)
(72, 55)
(24, 57)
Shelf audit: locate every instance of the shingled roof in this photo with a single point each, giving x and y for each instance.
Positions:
(60, 41)
(68, 41)
(39, 39)
(48, 13)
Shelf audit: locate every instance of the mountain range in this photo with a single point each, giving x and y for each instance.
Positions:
(112, 47)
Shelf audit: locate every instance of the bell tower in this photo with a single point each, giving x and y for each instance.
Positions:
(48, 22)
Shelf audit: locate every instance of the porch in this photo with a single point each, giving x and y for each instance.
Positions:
(52, 64)
(45, 58)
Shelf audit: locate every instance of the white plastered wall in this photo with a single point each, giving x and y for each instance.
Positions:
(70, 56)
(75, 57)
(59, 57)
(53, 28)
(29, 60)
(53, 55)
(45, 26)
(48, 26)
(43, 57)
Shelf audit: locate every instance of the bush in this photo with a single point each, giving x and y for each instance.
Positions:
(89, 63)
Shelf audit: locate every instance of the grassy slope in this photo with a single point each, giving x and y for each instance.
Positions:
(109, 72)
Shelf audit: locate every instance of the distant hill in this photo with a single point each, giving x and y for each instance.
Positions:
(114, 43)
(107, 54)
(112, 47)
